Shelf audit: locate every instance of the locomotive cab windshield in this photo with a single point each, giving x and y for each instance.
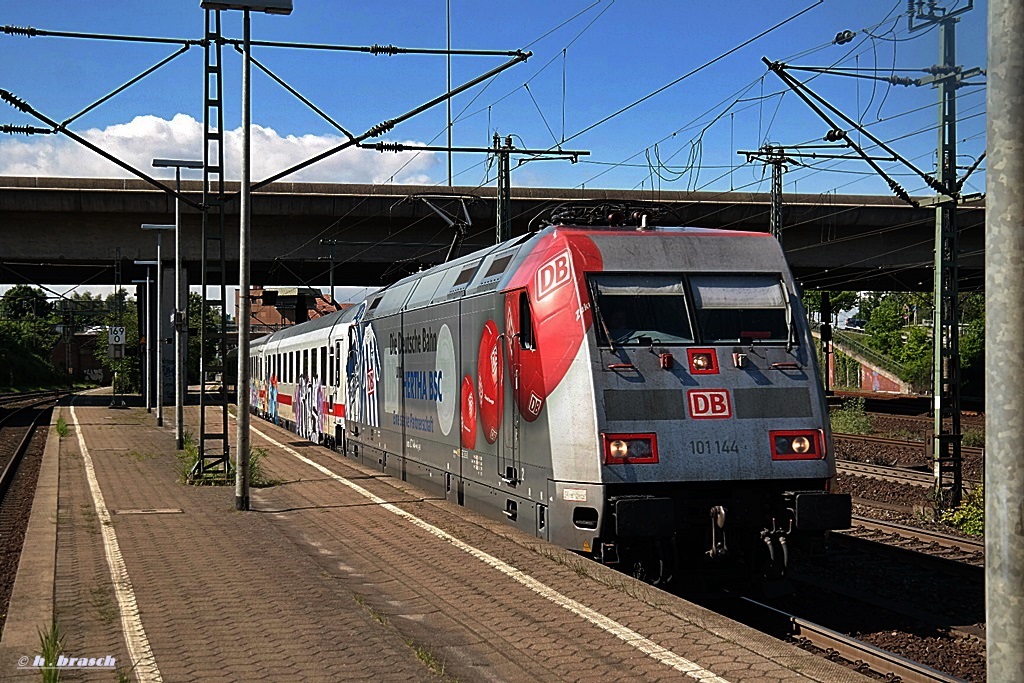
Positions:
(741, 309)
(639, 310)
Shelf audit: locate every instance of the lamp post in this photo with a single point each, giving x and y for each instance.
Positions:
(149, 357)
(159, 320)
(242, 403)
(180, 305)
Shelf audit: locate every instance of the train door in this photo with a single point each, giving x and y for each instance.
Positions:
(519, 339)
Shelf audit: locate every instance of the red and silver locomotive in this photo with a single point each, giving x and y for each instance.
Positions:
(648, 396)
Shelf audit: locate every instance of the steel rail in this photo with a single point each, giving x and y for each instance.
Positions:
(898, 474)
(902, 475)
(11, 468)
(938, 538)
(14, 398)
(901, 443)
(888, 664)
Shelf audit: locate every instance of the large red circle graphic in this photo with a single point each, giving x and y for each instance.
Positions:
(468, 413)
(489, 381)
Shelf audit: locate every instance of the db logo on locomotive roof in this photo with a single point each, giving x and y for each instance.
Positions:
(554, 274)
(709, 404)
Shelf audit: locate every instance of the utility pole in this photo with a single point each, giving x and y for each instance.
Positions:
(946, 444)
(775, 157)
(503, 152)
(331, 244)
(504, 218)
(947, 76)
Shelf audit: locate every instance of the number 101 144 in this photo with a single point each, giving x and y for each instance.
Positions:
(711, 447)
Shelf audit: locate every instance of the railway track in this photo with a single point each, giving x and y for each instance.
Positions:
(9, 431)
(967, 451)
(20, 459)
(835, 645)
(916, 535)
(12, 399)
(902, 475)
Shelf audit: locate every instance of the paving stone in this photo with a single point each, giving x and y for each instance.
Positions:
(318, 583)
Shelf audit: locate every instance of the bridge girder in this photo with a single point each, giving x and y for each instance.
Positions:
(65, 231)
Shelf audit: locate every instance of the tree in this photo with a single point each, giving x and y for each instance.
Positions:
(122, 312)
(209, 350)
(840, 301)
(22, 302)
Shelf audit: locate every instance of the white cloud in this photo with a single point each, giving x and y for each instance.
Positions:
(145, 138)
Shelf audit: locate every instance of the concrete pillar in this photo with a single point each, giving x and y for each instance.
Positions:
(1004, 374)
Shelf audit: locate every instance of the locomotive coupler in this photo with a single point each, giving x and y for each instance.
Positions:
(719, 548)
(777, 545)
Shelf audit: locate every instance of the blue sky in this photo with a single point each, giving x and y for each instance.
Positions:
(603, 55)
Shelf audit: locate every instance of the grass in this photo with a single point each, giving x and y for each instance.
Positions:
(125, 673)
(851, 418)
(969, 516)
(103, 603)
(51, 644)
(62, 427)
(257, 477)
(187, 459)
(428, 658)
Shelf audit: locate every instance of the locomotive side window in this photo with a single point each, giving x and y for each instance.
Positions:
(740, 308)
(525, 322)
(640, 310)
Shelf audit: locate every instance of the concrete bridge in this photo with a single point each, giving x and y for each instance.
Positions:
(68, 230)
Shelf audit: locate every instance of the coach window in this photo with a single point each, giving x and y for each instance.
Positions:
(291, 366)
(337, 362)
(305, 364)
(312, 365)
(323, 364)
(330, 367)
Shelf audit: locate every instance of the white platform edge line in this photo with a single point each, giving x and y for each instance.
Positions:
(623, 633)
(144, 662)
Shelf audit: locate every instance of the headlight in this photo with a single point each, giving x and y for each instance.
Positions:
(804, 444)
(630, 449)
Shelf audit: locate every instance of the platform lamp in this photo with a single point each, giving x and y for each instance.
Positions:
(245, 210)
(146, 336)
(159, 229)
(180, 302)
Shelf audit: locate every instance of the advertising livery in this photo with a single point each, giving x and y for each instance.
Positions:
(649, 397)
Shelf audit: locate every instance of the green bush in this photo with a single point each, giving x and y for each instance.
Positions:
(850, 418)
(974, 438)
(969, 516)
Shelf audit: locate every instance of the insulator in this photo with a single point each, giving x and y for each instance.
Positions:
(843, 37)
(901, 80)
(383, 50)
(10, 99)
(11, 129)
(835, 135)
(20, 31)
(381, 128)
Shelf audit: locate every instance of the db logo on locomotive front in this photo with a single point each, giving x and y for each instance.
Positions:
(554, 274)
(709, 404)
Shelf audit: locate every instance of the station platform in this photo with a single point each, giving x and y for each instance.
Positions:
(338, 573)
